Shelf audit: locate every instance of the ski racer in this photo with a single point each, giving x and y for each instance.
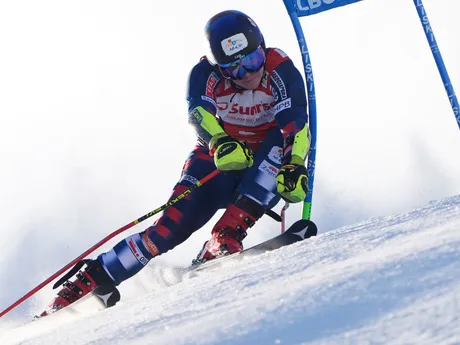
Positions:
(249, 110)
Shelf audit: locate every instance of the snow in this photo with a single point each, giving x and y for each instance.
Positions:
(94, 133)
(388, 280)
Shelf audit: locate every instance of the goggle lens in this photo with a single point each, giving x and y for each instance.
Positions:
(250, 63)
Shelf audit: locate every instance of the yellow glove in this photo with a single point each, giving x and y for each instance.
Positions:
(229, 153)
(292, 180)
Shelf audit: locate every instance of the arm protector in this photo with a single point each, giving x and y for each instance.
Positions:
(205, 124)
(297, 146)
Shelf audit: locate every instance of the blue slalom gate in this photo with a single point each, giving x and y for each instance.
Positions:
(302, 8)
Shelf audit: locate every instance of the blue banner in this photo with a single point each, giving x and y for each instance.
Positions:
(309, 7)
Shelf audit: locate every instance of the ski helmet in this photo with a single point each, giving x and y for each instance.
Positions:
(232, 35)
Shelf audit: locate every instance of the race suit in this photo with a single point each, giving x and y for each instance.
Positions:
(266, 118)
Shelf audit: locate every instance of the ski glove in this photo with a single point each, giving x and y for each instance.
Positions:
(292, 180)
(229, 153)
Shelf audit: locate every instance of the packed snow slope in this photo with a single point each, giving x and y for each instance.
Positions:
(389, 280)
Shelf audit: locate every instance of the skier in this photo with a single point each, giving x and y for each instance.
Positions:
(249, 110)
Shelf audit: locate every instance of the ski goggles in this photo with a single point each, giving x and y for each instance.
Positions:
(250, 63)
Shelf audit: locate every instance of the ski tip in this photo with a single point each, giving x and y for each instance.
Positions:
(107, 294)
(304, 228)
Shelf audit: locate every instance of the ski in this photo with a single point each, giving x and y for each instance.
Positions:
(298, 231)
(102, 297)
(107, 296)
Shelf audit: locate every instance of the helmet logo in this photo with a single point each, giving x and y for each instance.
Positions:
(234, 44)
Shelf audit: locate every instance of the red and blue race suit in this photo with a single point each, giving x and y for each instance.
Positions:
(264, 118)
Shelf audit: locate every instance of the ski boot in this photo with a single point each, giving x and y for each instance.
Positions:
(223, 242)
(93, 278)
(229, 232)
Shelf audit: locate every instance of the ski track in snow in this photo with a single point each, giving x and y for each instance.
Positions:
(389, 280)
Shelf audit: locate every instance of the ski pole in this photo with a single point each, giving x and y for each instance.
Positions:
(283, 216)
(113, 234)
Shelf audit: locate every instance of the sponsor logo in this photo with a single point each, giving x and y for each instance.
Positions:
(151, 247)
(197, 115)
(282, 106)
(227, 149)
(249, 109)
(313, 4)
(105, 298)
(280, 84)
(249, 122)
(234, 44)
(189, 178)
(268, 168)
(137, 253)
(210, 100)
(236, 108)
(276, 154)
(302, 232)
(213, 79)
